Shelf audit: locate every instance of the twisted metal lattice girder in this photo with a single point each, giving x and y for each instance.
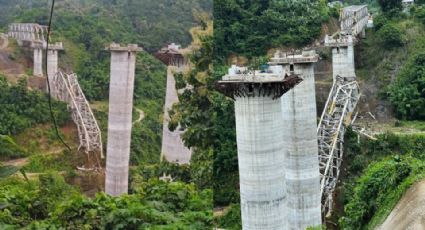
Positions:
(65, 87)
(339, 107)
(337, 114)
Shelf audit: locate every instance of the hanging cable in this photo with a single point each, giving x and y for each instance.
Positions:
(52, 116)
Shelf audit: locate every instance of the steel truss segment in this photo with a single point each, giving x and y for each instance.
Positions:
(31, 32)
(65, 87)
(341, 102)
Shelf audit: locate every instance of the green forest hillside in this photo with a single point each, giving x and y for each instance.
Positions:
(41, 197)
(87, 26)
(390, 67)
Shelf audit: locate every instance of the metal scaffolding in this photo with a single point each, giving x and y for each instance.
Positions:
(65, 87)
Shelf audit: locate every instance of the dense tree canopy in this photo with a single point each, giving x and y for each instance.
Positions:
(53, 204)
(407, 93)
(390, 5)
(391, 36)
(251, 27)
(22, 108)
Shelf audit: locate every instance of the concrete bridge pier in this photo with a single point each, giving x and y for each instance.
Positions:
(300, 143)
(52, 61)
(123, 62)
(343, 57)
(261, 160)
(260, 144)
(173, 148)
(38, 61)
(52, 58)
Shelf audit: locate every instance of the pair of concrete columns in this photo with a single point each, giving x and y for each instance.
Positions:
(278, 156)
(52, 58)
(277, 147)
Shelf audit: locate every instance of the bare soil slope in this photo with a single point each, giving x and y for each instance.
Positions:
(7, 65)
(409, 213)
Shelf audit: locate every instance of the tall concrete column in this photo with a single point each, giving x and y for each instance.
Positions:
(52, 58)
(343, 58)
(261, 160)
(173, 148)
(260, 144)
(300, 144)
(52, 62)
(301, 152)
(38, 61)
(123, 61)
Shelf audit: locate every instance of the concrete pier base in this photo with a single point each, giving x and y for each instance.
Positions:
(343, 60)
(52, 58)
(301, 152)
(123, 61)
(38, 62)
(259, 128)
(173, 148)
(302, 180)
(52, 61)
(260, 142)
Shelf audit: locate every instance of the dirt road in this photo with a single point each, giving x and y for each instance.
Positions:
(141, 116)
(409, 213)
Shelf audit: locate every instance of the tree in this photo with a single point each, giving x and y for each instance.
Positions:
(390, 5)
(407, 93)
(390, 36)
(420, 14)
(250, 28)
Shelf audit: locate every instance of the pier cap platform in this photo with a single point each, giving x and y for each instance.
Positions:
(56, 46)
(172, 53)
(128, 48)
(307, 56)
(38, 45)
(242, 82)
(339, 40)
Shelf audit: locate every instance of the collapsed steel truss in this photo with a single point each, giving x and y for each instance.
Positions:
(342, 101)
(339, 107)
(30, 32)
(65, 87)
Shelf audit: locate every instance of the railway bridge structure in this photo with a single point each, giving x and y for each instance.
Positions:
(63, 86)
(342, 100)
(173, 148)
(288, 164)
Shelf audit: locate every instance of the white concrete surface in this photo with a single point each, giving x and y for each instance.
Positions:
(343, 61)
(173, 148)
(301, 151)
(38, 62)
(259, 128)
(121, 89)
